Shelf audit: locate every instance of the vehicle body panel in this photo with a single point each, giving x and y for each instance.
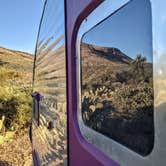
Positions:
(82, 152)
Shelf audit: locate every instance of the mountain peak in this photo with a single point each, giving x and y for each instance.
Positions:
(109, 53)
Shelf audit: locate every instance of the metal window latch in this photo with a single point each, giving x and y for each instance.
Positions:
(37, 96)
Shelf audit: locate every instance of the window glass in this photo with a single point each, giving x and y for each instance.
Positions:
(50, 134)
(117, 77)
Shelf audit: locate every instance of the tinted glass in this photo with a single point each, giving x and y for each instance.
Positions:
(50, 137)
(117, 77)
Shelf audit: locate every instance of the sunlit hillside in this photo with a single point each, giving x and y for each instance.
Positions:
(15, 106)
(17, 61)
(117, 92)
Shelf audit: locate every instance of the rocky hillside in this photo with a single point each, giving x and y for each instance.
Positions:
(117, 92)
(114, 55)
(17, 61)
(102, 61)
(15, 107)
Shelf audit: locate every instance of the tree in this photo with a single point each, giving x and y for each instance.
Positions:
(138, 68)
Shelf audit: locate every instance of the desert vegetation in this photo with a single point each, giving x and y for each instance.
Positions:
(117, 96)
(15, 101)
(15, 90)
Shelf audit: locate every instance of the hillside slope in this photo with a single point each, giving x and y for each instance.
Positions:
(117, 92)
(15, 59)
(101, 61)
(15, 107)
(18, 62)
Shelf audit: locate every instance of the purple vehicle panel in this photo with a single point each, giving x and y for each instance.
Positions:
(116, 118)
(80, 151)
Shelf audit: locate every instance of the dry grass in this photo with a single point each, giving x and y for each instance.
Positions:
(15, 99)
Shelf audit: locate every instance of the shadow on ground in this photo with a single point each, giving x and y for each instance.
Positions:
(4, 163)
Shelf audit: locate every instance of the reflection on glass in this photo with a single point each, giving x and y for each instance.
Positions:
(117, 77)
(50, 137)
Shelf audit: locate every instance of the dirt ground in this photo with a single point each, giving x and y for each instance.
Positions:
(16, 151)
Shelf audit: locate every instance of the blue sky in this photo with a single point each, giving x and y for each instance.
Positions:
(19, 23)
(128, 30)
(160, 30)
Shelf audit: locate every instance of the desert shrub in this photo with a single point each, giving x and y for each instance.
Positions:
(15, 101)
(133, 98)
(95, 100)
(123, 76)
(138, 71)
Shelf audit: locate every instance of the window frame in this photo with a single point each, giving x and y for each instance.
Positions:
(116, 151)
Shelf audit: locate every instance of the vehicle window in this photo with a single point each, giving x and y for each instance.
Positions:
(50, 134)
(117, 77)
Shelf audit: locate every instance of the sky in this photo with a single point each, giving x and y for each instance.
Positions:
(128, 30)
(19, 24)
(159, 29)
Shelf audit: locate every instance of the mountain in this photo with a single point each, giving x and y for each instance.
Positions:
(17, 62)
(109, 53)
(101, 61)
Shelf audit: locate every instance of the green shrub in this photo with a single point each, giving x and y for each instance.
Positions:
(131, 98)
(15, 101)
